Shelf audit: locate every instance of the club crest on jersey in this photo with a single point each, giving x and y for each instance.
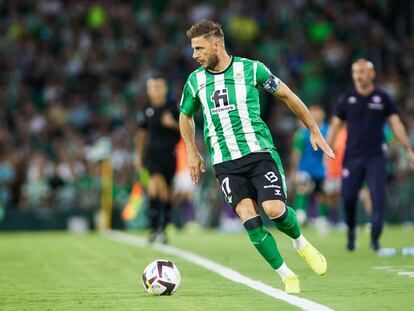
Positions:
(376, 99)
(220, 99)
(352, 100)
(238, 77)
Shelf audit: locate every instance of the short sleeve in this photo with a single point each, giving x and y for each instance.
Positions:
(173, 109)
(391, 107)
(189, 103)
(265, 78)
(340, 109)
(141, 120)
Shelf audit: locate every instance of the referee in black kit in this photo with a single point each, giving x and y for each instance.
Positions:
(365, 109)
(156, 139)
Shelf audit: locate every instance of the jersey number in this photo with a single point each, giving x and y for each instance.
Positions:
(225, 186)
(271, 176)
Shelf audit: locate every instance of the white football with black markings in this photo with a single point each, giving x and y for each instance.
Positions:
(161, 277)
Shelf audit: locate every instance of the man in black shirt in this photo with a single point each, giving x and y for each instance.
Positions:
(155, 149)
(365, 109)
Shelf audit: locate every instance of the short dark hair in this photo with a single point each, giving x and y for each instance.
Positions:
(205, 28)
(155, 75)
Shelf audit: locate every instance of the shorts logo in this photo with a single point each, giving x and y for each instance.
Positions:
(271, 176)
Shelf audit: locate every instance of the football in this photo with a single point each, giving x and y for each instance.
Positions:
(161, 277)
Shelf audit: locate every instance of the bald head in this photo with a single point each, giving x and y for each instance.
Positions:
(363, 75)
(362, 62)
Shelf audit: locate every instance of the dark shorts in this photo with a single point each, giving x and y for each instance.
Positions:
(161, 162)
(372, 170)
(258, 176)
(312, 184)
(318, 186)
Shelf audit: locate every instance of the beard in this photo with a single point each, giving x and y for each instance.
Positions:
(212, 62)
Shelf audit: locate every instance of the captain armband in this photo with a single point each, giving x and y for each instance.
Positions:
(272, 84)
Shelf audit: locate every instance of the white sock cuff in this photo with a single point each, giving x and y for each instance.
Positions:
(284, 271)
(300, 242)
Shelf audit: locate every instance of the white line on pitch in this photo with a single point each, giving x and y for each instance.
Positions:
(225, 272)
(382, 267)
(409, 273)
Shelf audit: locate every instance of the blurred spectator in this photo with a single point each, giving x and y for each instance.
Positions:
(74, 71)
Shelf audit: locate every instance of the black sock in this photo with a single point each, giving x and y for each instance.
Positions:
(167, 214)
(154, 213)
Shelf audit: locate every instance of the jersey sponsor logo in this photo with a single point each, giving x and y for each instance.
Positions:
(220, 99)
(376, 106)
(352, 100)
(222, 109)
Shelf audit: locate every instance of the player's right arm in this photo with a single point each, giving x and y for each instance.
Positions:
(195, 161)
(188, 106)
(140, 139)
(334, 126)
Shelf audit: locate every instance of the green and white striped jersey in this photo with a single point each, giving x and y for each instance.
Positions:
(231, 108)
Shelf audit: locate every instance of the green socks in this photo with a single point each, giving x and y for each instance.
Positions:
(287, 223)
(301, 201)
(323, 209)
(263, 241)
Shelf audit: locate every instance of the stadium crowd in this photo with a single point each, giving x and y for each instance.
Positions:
(75, 71)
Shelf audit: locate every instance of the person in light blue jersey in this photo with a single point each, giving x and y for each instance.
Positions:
(308, 171)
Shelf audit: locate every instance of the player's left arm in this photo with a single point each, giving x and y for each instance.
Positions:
(296, 105)
(401, 134)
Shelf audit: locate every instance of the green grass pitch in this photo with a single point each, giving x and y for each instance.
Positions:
(60, 271)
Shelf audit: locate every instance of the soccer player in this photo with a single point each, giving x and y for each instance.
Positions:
(365, 109)
(309, 171)
(155, 150)
(246, 164)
